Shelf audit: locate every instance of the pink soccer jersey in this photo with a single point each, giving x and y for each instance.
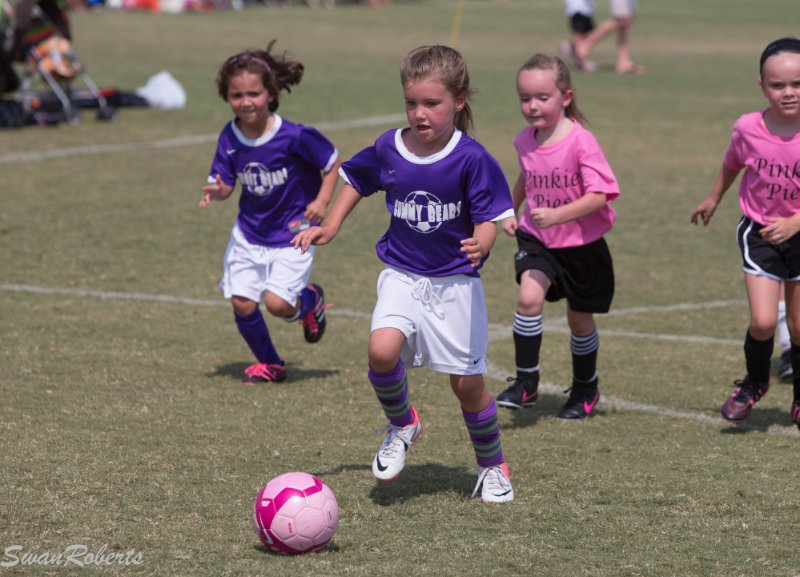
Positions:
(770, 185)
(562, 173)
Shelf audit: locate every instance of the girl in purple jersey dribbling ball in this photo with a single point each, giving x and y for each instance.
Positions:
(766, 146)
(287, 173)
(444, 193)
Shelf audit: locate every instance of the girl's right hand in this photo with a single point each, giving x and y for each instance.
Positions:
(315, 235)
(705, 210)
(510, 225)
(217, 190)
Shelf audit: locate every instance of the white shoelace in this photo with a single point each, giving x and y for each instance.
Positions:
(496, 481)
(423, 291)
(389, 447)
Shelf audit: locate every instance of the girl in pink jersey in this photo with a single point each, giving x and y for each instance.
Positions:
(566, 184)
(766, 145)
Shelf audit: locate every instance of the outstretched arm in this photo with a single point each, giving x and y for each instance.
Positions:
(343, 205)
(705, 210)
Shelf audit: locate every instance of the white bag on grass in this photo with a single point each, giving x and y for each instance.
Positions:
(163, 91)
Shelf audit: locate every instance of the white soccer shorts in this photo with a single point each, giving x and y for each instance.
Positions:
(249, 270)
(443, 319)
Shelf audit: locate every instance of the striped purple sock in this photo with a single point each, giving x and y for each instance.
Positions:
(392, 391)
(484, 432)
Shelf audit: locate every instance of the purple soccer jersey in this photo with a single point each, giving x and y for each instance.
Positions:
(280, 174)
(433, 201)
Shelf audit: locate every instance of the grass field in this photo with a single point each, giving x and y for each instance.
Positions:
(122, 421)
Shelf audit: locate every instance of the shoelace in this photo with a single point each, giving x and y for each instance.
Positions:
(312, 317)
(748, 391)
(389, 447)
(422, 290)
(264, 371)
(496, 482)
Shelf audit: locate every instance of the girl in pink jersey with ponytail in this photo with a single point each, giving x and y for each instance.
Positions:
(567, 185)
(766, 146)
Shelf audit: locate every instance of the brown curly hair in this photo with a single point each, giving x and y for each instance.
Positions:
(277, 72)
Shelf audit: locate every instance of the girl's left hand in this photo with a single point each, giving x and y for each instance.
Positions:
(473, 249)
(316, 210)
(780, 230)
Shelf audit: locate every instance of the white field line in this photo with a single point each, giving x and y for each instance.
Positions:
(190, 140)
(496, 332)
(701, 418)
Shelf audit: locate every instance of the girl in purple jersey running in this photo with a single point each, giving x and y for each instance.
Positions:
(288, 173)
(444, 193)
(766, 146)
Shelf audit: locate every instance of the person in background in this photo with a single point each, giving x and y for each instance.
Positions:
(288, 173)
(567, 185)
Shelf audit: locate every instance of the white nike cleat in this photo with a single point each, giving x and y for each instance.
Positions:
(391, 456)
(496, 484)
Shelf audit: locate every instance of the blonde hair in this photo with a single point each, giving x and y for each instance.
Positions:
(563, 80)
(277, 72)
(445, 64)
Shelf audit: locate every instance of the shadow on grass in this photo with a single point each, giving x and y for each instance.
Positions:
(760, 420)
(425, 479)
(293, 373)
(329, 548)
(547, 406)
(343, 469)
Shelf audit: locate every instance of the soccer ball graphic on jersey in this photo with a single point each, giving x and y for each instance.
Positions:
(426, 223)
(255, 177)
(295, 513)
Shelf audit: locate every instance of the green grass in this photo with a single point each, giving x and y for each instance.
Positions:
(122, 420)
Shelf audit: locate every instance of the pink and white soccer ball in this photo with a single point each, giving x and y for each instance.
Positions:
(295, 513)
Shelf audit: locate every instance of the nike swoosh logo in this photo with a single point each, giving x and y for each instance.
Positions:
(501, 494)
(527, 397)
(381, 466)
(230, 151)
(476, 361)
(589, 406)
(391, 171)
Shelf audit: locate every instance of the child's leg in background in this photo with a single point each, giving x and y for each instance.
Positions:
(289, 295)
(763, 295)
(527, 331)
(784, 341)
(253, 328)
(528, 323)
(584, 342)
(793, 321)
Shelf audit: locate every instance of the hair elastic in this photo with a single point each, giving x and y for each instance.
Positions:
(786, 44)
(251, 57)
